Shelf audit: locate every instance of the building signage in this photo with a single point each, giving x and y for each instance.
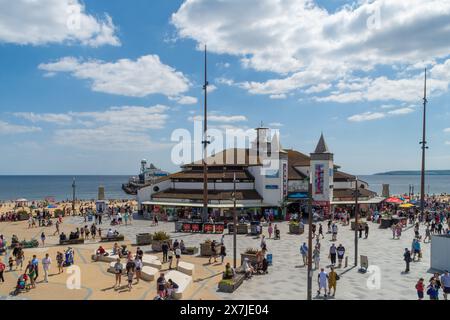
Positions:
(272, 174)
(319, 178)
(285, 180)
(298, 195)
(271, 186)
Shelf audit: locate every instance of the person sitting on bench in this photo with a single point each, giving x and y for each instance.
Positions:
(229, 272)
(263, 266)
(62, 237)
(110, 234)
(101, 252)
(248, 268)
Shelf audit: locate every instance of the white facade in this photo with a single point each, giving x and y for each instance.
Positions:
(440, 252)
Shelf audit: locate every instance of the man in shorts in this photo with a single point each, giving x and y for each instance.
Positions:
(445, 283)
(322, 281)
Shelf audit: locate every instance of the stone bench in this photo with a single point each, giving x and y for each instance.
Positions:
(120, 237)
(71, 242)
(151, 261)
(185, 267)
(148, 273)
(230, 285)
(109, 258)
(182, 280)
(111, 268)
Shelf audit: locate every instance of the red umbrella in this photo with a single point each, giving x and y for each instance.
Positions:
(393, 200)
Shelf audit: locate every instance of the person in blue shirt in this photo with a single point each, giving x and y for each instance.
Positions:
(35, 263)
(304, 253)
(433, 290)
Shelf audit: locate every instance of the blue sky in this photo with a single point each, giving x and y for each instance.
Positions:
(93, 87)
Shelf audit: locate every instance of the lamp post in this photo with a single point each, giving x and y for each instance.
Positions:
(234, 221)
(310, 220)
(424, 147)
(356, 193)
(205, 145)
(73, 195)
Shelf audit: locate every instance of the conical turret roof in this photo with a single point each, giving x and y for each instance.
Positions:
(322, 146)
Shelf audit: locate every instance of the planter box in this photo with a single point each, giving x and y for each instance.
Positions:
(385, 223)
(233, 285)
(364, 224)
(157, 244)
(242, 228)
(296, 229)
(251, 258)
(143, 239)
(120, 237)
(205, 249)
(190, 251)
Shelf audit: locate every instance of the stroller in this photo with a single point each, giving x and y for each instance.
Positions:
(68, 257)
(21, 285)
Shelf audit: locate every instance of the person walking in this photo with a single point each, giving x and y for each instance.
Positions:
(333, 253)
(60, 262)
(321, 231)
(427, 234)
(322, 280)
(445, 283)
(332, 281)
(213, 251)
(334, 229)
(57, 228)
(366, 231)
(118, 269)
(316, 258)
(2, 269)
(170, 256)
(178, 255)
(165, 250)
(270, 230)
(304, 253)
(35, 263)
(138, 265)
(340, 254)
(46, 262)
(223, 253)
(407, 259)
(43, 239)
(420, 288)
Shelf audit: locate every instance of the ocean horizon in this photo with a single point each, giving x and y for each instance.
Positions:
(38, 187)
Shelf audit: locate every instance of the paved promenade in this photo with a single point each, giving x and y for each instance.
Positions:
(286, 278)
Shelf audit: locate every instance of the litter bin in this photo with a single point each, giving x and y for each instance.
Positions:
(269, 259)
(254, 226)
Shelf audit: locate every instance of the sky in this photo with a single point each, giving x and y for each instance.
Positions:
(94, 86)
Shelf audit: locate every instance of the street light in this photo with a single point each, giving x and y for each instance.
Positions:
(310, 220)
(356, 194)
(234, 221)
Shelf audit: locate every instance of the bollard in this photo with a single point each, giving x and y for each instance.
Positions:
(346, 262)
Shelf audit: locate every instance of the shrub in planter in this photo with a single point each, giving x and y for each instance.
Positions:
(29, 244)
(158, 239)
(205, 248)
(296, 228)
(190, 250)
(58, 212)
(23, 215)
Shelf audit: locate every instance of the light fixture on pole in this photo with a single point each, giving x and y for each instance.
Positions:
(310, 220)
(234, 221)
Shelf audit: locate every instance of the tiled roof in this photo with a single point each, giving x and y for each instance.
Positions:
(195, 194)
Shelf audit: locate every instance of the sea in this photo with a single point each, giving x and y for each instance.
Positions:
(60, 187)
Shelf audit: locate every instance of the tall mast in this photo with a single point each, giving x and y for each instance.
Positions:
(205, 144)
(424, 146)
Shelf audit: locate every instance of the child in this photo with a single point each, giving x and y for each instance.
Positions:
(130, 275)
(420, 288)
(11, 263)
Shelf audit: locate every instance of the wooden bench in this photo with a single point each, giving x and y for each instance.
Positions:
(186, 268)
(120, 237)
(148, 273)
(71, 241)
(182, 280)
(233, 284)
(151, 261)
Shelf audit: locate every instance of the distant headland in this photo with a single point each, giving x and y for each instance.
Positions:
(415, 173)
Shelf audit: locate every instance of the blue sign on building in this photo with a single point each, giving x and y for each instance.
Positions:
(298, 195)
(271, 186)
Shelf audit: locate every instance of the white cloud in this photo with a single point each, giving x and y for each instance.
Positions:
(367, 116)
(145, 76)
(220, 118)
(211, 88)
(275, 124)
(401, 111)
(8, 128)
(187, 100)
(447, 130)
(53, 21)
(44, 117)
(308, 45)
(447, 143)
(278, 96)
(318, 88)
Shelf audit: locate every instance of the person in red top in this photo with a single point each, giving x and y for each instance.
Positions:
(2, 269)
(420, 288)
